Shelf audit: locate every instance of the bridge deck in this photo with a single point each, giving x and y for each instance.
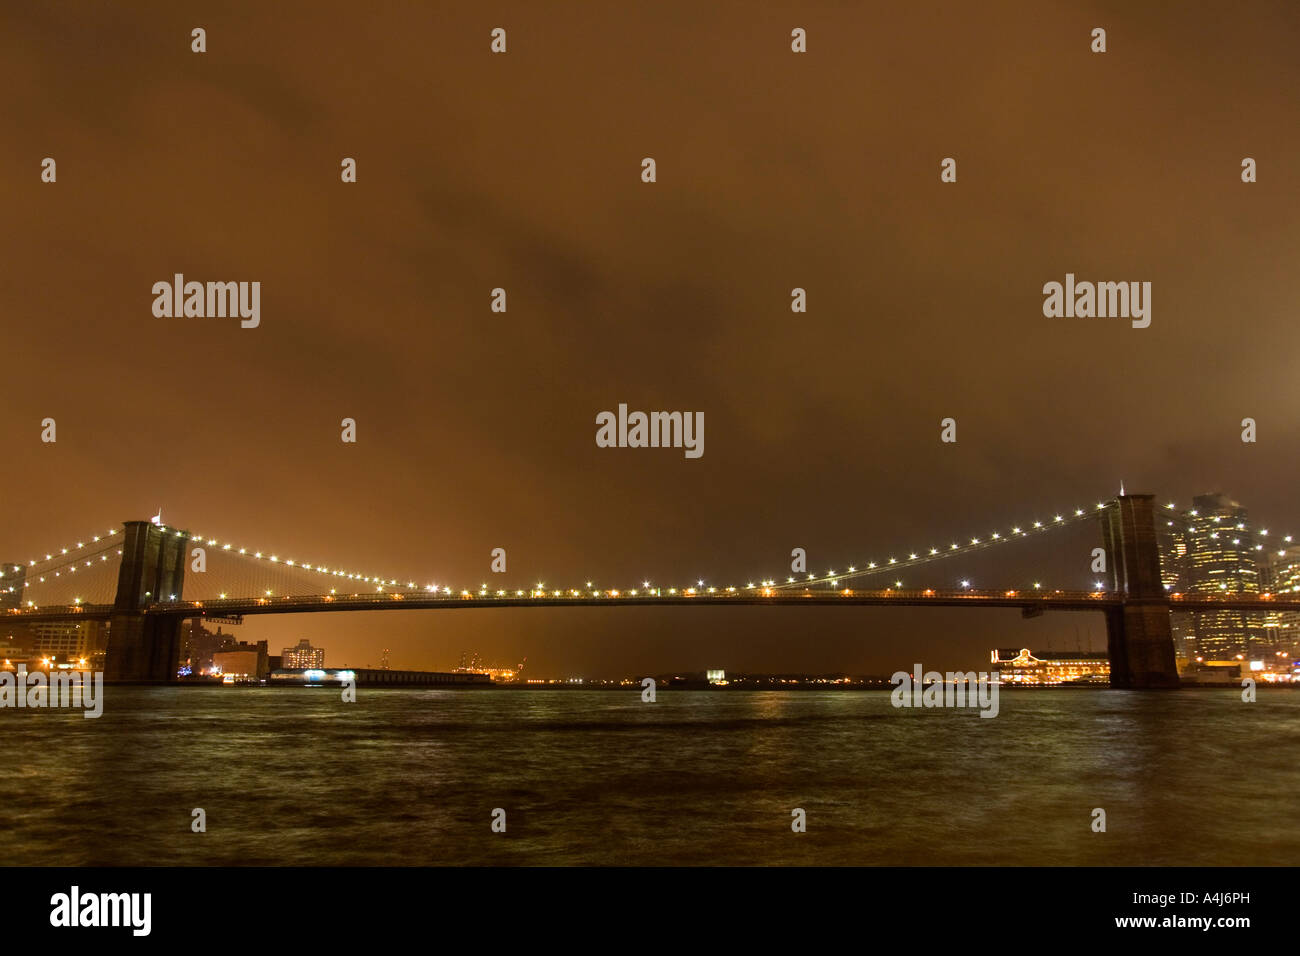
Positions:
(1030, 601)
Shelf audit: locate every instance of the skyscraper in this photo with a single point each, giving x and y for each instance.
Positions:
(1172, 534)
(1284, 564)
(1222, 558)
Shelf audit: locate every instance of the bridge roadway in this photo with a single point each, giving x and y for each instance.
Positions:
(1031, 602)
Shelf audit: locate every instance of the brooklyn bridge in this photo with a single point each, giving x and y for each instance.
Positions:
(134, 578)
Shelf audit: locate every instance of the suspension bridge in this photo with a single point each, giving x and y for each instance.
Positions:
(134, 577)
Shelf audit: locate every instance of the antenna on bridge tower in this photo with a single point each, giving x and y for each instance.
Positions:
(1121, 487)
(157, 519)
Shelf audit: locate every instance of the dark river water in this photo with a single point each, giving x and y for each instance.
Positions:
(295, 776)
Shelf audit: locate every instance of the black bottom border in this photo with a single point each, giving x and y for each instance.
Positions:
(722, 904)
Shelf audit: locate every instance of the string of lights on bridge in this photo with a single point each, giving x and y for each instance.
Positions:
(69, 559)
(831, 578)
(955, 548)
(36, 570)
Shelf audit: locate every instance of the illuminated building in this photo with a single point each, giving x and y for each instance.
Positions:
(69, 640)
(1284, 565)
(1222, 559)
(1022, 667)
(1173, 555)
(1173, 575)
(303, 657)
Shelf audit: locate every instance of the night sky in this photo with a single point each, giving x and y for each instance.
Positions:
(775, 170)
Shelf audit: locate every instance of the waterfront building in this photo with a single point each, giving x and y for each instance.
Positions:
(1049, 667)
